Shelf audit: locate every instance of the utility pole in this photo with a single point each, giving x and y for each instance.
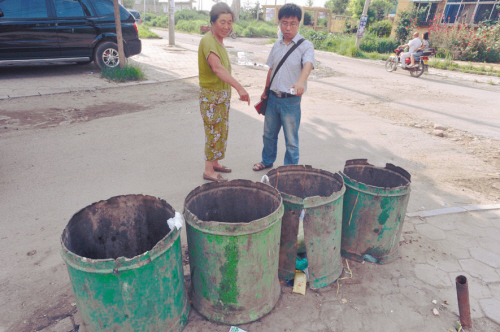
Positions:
(171, 22)
(119, 37)
(362, 23)
(236, 10)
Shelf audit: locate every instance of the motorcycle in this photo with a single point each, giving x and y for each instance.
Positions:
(421, 63)
(232, 34)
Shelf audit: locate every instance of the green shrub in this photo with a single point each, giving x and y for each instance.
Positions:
(372, 43)
(189, 26)
(192, 15)
(127, 73)
(255, 29)
(144, 32)
(381, 28)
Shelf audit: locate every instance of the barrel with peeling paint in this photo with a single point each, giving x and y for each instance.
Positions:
(375, 204)
(233, 231)
(320, 195)
(125, 265)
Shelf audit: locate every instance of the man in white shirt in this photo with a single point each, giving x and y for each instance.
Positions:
(412, 45)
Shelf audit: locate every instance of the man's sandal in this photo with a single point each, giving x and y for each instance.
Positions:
(218, 178)
(260, 166)
(222, 169)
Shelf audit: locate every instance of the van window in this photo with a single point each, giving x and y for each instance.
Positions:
(24, 8)
(105, 8)
(69, 8)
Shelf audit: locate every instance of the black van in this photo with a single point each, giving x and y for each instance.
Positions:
(69, 30)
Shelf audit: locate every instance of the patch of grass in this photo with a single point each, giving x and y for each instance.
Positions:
(271, 41)
(125, 74)
(448, 64)
(376, 55)
(144, 32)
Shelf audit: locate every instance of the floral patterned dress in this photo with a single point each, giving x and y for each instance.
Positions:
(214, 107)
(215, 97)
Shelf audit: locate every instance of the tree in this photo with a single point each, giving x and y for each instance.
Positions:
(355, 8)
(377, 11)
(309, 3)
(128, 4)
(338, 7)
(382, 8)
(119, 37)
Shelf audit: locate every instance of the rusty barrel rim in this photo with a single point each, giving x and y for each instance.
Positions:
(311, 201)
(110, 265)
(233, 228)
(364, 188)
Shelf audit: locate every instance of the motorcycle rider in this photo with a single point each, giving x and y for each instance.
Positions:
(412, 45)
(420, 51)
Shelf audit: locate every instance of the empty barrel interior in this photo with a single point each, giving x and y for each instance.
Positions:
(232, 203)
(120, 226)
(375, 176)
(304, 183)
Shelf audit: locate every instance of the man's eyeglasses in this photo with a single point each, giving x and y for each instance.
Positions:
(292, 24)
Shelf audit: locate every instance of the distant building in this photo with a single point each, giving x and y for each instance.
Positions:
(452, 11)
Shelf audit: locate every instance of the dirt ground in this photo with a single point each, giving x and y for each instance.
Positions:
(62, 152)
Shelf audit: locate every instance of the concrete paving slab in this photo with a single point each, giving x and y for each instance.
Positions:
(482, 207)
(495, 290)
(462, 238)
(479, 270)
(491, 308)
(431, 232)
(436, 212)
(490, 244)
(432, 276)
(486, 256)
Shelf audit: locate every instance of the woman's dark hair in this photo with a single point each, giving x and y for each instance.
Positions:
(426, 36)
(290, 10)
(219, 8)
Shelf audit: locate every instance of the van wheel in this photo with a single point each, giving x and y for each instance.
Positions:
(106, 55)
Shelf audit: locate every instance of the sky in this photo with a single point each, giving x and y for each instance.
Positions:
(207, 4)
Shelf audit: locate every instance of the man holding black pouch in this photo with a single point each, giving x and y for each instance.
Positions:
(290, 63)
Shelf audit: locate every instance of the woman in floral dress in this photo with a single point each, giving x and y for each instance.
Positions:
(215, 90)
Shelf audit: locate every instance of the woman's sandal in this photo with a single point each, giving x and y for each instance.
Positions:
(218, 178)
(222, 169)
(260, 166)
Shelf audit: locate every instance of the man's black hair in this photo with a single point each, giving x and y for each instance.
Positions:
(426, 35)
(290, 10)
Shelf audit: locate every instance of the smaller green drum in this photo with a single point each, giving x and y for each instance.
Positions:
(315, 197)
(375, 204)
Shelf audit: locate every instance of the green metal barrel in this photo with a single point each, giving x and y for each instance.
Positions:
(375, 204)
(233, 231)
(320, 195)
(125, 266)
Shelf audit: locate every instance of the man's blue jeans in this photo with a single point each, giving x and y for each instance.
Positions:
(281, 112)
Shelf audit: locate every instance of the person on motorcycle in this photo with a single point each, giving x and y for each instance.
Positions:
(420, 51)
(412, 45)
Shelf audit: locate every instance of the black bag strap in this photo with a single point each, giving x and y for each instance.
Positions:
(284, 58)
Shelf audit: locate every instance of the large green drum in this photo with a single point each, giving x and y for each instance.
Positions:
(314, 197)
(233, 232)
(125, 266)
(375, 204)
